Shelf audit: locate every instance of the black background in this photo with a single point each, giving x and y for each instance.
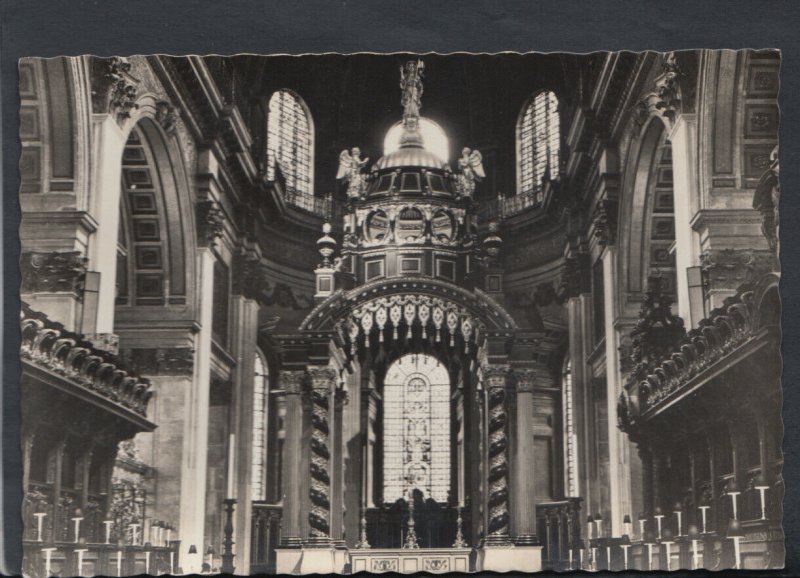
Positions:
(106, 27)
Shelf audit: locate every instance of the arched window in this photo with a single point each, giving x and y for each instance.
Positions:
(538, 141)
(416, 429)
(260, 396)
(290, 142)
(570, 437)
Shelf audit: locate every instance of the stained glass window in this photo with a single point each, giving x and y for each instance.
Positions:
(290, 142)
(260, 392)
(538, 135)
(416, 427)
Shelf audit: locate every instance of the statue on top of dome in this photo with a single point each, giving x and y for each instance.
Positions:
(470, 167)
(411, 85)
(350, 165)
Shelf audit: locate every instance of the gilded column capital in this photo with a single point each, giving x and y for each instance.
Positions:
(292, 381)
(524, 378)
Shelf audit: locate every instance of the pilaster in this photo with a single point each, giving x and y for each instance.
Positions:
(291, 383)
(524, 494)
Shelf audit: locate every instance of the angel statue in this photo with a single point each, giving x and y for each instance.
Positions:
(470, 166)
(350, 165)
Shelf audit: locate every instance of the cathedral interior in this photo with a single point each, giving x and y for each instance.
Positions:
(400, 313)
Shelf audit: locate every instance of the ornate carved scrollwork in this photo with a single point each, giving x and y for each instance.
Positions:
(52, 272)
(322, 380)
(495, 377)
(249, 277)
(728, 269)
(166, 116)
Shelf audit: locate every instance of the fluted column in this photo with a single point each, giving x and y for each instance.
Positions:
(319, 517)
(495, 378)
(291, 382)
(524, 498)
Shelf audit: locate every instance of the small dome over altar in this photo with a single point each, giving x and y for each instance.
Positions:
(410, 156)
(431, 136)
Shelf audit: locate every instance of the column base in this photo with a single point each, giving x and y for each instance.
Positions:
(287, 560)
(509, 558)
(318, 560)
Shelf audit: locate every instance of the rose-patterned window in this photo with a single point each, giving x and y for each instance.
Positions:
(416, 429)
(538, 136)
(290, 143)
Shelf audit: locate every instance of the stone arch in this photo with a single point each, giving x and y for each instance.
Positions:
(646, 220)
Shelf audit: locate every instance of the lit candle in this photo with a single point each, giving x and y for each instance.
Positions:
(77, 522)
(39, 520)
(703, 510)
(231, 445)
(80, 552)
(48, 556)
(119, 562)
(108, 524)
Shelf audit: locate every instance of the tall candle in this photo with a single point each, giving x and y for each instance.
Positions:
(703, 511)
(669, 555)
(641, 529)
(594, 558)
(134, 533)
(608, 557)
(48, 556)
(119, 562)
(108, 524)
(695, 558)
(231, 445)
(147, 562)
(761, 490)
(625, 555)
(678, 513)
(169, 531)
(734, 499)
(737, 551)
(77, 522)
(80, 553)
(649, 556)
(658, 521)
(570, 558)
(172, 562)
(39, 519)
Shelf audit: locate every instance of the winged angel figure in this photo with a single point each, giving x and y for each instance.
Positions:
(470, 166)
(350, 165)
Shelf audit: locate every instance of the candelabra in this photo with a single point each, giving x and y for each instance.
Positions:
(411, 533)
(227, 540)
(460, 542)
(363, 543)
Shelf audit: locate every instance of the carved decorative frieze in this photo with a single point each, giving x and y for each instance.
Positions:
(114, 90)
(604, 222)
(160, 360)
(53, 272)
(210, 221)
(105, 341)
(728, 269)
(495, 380)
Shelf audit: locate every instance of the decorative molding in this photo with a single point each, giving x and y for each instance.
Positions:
(53, 272)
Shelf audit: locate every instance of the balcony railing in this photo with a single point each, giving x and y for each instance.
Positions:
(325, 206)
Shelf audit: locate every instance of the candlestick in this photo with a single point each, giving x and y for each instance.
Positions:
(678, 514)
(695, 558)
(80, 552)
(668, 546)
(39, 520)
(734, 498)
(108, 524)
(703, 511)
(658, 518)
(48, 556)
(570, 558)
(134, 533)
(580, 558)
(77, 522)
(172, 563)
(737, 552)
(641, 528)
(625, 556)
(594, 557)
(650, 556)
(608, 557)
(147, 562)
(119, 562)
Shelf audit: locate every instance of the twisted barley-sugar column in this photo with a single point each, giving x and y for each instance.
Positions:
(495, 377)
(322, 379)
